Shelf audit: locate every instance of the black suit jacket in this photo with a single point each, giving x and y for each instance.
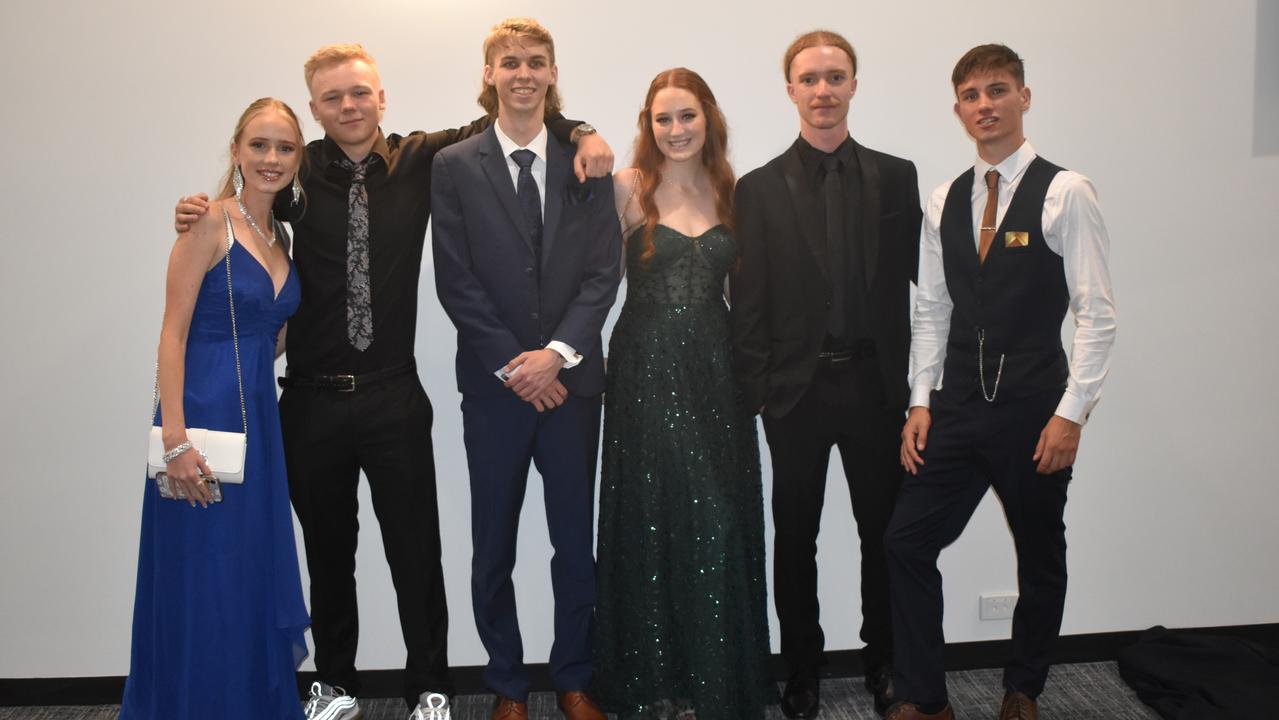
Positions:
(487, 276)
(781, 292)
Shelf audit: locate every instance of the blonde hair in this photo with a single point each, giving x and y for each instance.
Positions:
(330, 55)
(257, 107)
(518, 30)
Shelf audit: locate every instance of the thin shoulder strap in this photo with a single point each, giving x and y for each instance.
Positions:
(235, 334)
(621, 216)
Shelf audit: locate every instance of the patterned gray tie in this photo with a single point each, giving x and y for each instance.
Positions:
(359, 291)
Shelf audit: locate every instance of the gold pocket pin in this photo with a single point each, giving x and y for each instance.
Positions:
(1016, 239)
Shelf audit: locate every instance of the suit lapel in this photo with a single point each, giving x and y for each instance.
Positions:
(869, 212)
(797, 186)
(557, 166)
(499, 176)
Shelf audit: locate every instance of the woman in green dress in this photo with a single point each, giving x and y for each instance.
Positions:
(682, 628)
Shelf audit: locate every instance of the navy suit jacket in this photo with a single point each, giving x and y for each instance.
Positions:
(487, 276)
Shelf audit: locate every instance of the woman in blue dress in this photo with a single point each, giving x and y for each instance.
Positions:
(218, 617)
(682, 627)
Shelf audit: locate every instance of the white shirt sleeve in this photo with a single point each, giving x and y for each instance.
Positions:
(933, 305)
(1074, 228)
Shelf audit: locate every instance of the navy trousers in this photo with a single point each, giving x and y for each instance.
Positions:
(503, 435)
(973, 445)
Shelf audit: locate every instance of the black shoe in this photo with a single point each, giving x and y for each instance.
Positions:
(879, 682)
(800, 699)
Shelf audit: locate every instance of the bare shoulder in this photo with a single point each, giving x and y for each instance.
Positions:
(624, 180)
(207, 236)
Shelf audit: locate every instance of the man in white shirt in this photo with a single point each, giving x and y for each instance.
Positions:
(1007, 248)
(527, 265)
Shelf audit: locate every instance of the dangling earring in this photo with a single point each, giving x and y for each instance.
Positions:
(297, 190)
(237, 181)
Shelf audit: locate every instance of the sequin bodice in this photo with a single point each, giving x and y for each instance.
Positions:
(683, 270)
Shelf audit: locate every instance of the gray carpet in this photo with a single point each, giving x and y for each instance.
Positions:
(1090, 691)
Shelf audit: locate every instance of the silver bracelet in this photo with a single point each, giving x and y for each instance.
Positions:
(171, 455)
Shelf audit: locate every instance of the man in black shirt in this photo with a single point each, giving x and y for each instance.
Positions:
(828, 233)
(353, 400)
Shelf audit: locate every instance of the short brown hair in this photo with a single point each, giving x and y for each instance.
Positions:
(518, 30)
(335, 55)
(988, 58)
(817, 38)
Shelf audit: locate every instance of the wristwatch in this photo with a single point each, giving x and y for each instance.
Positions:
(580, 132)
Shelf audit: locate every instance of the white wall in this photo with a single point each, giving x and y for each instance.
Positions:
(112, 110)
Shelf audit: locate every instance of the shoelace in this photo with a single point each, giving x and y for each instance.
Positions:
(318, 700)
(436, 708)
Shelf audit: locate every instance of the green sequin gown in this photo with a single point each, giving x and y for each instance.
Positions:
(681, 606)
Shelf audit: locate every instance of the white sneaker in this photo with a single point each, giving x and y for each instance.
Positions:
(432, 706)
(330, 703)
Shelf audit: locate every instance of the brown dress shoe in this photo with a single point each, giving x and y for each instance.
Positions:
(508, 709)
(578, 706)
(1018, 706)
(908, 711)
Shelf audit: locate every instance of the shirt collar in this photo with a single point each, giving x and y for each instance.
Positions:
(537, 144)
(811, 157)
(1012, 167)
(332, 153)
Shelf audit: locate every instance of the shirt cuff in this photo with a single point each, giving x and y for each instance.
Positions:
(1073, 408)
(920, 395)
(566, 351)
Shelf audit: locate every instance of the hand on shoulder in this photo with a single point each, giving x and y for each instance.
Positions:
(208, 233)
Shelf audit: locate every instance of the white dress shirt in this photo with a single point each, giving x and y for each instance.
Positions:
(1074, 229)
(538, 146)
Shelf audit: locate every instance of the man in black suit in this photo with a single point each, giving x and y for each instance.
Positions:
(829, 236)
(527, 264)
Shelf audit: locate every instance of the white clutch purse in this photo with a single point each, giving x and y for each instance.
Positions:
(224, 453)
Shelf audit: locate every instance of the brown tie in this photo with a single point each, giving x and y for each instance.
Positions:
(988, 217)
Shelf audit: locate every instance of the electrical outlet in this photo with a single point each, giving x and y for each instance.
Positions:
(997, 607)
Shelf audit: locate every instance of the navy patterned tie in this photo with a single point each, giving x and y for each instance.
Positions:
(530, 198)
(359, 291)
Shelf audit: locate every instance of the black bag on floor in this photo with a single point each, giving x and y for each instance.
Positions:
(1202, 677)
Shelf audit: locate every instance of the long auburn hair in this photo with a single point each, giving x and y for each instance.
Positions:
(648, 158)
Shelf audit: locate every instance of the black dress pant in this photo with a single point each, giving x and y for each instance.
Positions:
(384, 429)
(844, 408)
(973, 445)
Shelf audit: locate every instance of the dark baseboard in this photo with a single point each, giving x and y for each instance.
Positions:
(1095, 647)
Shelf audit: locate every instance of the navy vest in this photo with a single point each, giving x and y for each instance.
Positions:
(1017, 299)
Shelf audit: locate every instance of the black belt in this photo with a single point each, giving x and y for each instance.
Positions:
(834, 359)
(343, 383)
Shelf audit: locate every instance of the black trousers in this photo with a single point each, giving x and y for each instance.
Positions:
(973, 445)
(843, 408)
(383, 429)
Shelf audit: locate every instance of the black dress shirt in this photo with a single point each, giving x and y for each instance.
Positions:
(399, 189)
(850, 177)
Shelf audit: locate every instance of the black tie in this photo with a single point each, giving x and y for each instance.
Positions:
(837, 323)
(530, 198)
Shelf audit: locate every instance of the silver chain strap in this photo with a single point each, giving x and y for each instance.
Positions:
(235, 339)
(981, 367)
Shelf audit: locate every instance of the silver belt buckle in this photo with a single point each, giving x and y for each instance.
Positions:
(350, 379)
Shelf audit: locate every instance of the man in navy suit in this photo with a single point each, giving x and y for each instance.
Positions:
(527, 266)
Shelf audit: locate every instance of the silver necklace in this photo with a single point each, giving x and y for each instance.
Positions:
(270, 242)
